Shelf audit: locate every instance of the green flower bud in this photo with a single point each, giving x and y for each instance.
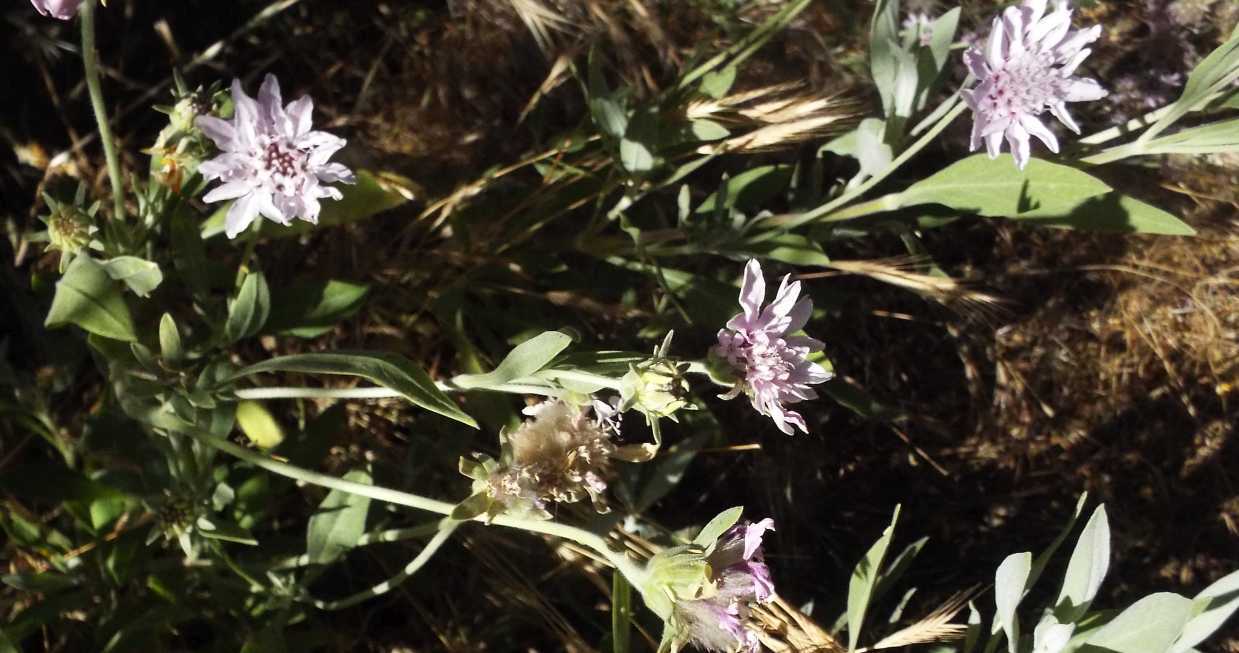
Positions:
(656, 387)
(69, 228)
(679, 573)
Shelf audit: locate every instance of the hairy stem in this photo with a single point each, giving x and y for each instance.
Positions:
(90, 60)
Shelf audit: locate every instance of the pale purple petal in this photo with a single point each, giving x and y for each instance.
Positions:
(219, 131)
(228, 191)
(753, 535)
(993, 144)
(1017, 138)
(270, 104)
(1085, 90)
(994, 52)
(1059, 110)
(333, 172)
(241, 215)
(299, 112)
(752, 290)
(1040, 131)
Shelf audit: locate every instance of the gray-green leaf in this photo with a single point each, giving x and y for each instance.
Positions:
(339, 522)
(524, 360)
(87, 296)
(250, 309)
(1150, 625)
(1009, 582)
(388, 370)
(1089, 562)
(141, 275)
(864, 578)
(1213, 606)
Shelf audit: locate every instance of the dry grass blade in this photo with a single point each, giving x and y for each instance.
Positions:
(900, 272)
(778, 116)
(787, 630)
(933, 627)
(553, 79)
(543, 22)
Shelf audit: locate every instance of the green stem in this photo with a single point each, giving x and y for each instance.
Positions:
(251, 242)
(90, 60)
(793, 221)
(380, 392)
(636, 574)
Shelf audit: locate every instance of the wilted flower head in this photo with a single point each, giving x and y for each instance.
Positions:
(62, 9)
(271, 162)
(711, 602)
(1026, 67)
(757, 346)
(561, 455)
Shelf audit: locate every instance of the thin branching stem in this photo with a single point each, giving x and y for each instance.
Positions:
(635, 573)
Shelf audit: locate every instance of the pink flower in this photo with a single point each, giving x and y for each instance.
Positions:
(271, 162)
(719, 622)
(1025, 68)
(758, 346)
(62, 9)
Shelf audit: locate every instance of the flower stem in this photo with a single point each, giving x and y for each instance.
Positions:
(793, 221)
(90, 61)
(633, 571)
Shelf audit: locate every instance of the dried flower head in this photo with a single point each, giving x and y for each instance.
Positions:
(771, 364)
(271, 162)
(712, 601)
(1025, 68)
(561, 455)
(62, 9)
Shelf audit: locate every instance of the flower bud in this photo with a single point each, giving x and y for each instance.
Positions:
(656, 387)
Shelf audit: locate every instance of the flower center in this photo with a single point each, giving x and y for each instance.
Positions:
(1025, 85)
(285, 165)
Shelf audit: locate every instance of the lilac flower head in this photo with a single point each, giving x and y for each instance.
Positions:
(1026, 67)
(271, 162)
(62, 9)
(758, 346)
(720, 620)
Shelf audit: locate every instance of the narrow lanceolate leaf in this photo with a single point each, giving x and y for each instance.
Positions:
(524, 360)
(1009, 583)
(170, 339)
(250, 309)
(391, 371)
(1212, 607)
(339, 522)
(1089, 562)
(864, 577)
(1047, 193)
(88, 297)
(1150, 625)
